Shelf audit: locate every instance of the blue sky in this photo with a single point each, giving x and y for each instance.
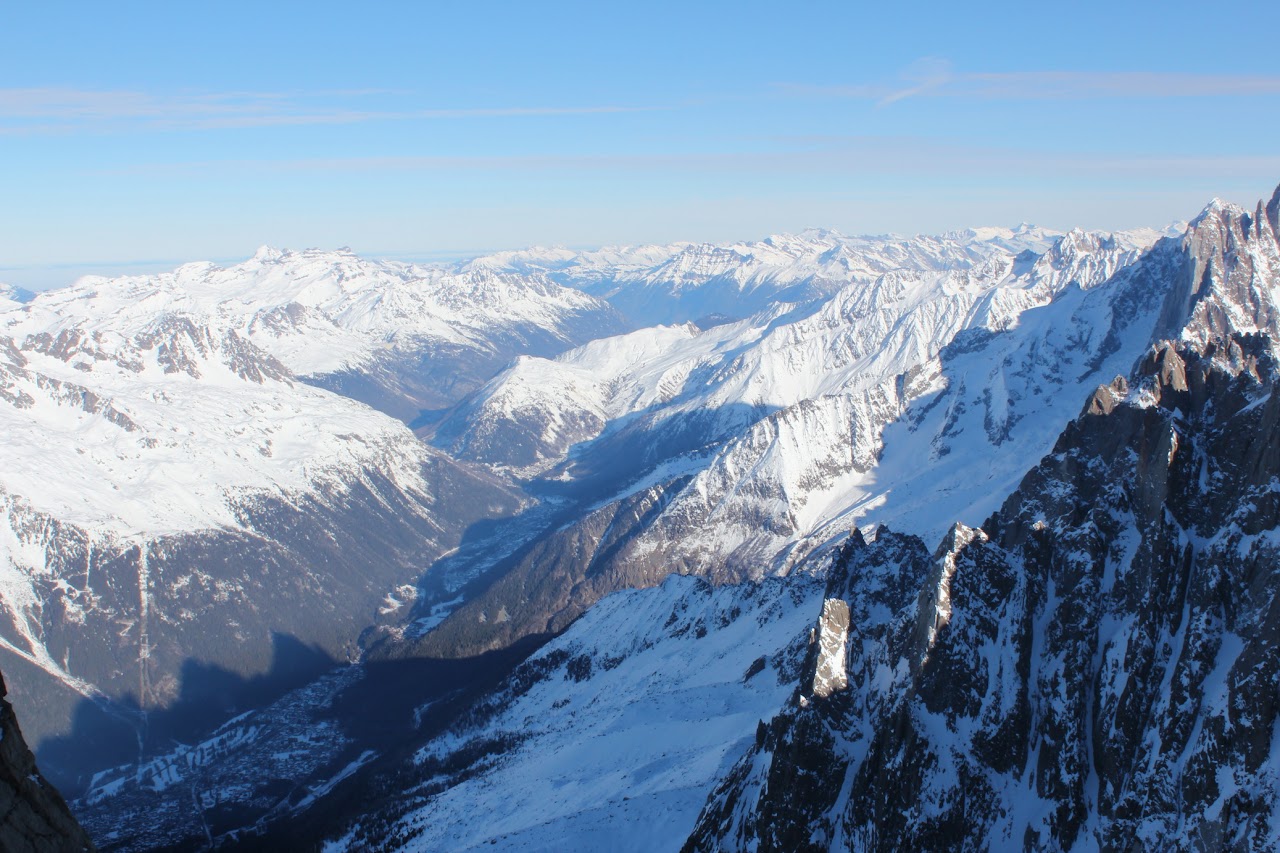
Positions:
(139, 135)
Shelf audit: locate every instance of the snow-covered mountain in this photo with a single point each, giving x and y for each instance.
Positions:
(180, 493)
(172, 492)
(151, 430)
(740, 448)
(1086, 669)
(705, 283)
(400, 337)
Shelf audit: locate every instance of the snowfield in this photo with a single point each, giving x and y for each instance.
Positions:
(613, 732)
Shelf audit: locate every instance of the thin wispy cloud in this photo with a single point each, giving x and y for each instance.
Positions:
(60, 110)
(789, 155)
(925, 76)
(934, 77)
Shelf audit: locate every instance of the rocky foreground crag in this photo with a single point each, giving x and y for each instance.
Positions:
(1096, 665)
(33, 815)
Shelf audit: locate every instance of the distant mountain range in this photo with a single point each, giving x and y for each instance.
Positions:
(393, 512)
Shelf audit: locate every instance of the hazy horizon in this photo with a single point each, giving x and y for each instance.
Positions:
(140, 137)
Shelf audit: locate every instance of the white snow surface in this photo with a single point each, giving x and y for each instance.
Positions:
(623, 758)
(653, 284)
(141, 405)
(687, 281)
(792, 402)
(320, 311)
(104, 436)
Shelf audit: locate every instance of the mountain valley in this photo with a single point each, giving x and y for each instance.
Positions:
(632, 547)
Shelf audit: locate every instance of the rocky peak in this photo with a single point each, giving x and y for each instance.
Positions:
(1230, 261)
(935, 606)
(1107, 397)
(1273, 213)
(827, 650)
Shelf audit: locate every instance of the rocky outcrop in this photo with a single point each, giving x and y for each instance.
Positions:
(1232, 259)
(33, 816)
(1095, 667)
(828, 644)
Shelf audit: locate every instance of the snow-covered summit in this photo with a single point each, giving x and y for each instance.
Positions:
(691, 281)
(322, 311)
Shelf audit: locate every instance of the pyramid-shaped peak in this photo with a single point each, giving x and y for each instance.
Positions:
(266, 254)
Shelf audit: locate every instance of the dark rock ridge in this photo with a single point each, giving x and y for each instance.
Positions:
(33, 816)
(1232, 260)
(1095, 666)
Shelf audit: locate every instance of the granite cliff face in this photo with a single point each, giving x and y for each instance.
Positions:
(1096, 665)
(33, 816)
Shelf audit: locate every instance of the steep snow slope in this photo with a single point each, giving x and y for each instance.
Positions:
(612, 732)
(743, 445)
(529, 417)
